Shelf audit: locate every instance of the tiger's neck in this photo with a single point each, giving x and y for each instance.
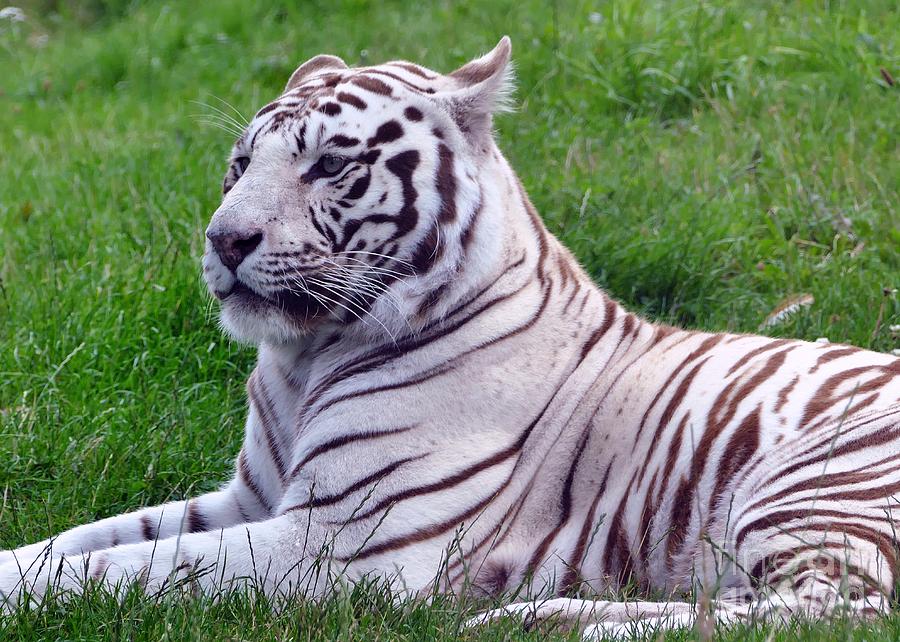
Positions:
(514, 235)
(499, 235)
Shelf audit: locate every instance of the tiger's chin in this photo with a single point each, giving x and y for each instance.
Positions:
(285, 318)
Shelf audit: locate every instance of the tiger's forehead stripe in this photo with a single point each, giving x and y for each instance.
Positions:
(351, 99)
(296, 103)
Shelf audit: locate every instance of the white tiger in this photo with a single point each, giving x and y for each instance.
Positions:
(442, 393)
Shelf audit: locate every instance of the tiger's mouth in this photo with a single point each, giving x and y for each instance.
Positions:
(295, 303)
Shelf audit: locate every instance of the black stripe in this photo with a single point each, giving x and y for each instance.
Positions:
(196, 521)
(148, 528)
(246, 476)
(267, 419)
(343, 440)
(328, 500)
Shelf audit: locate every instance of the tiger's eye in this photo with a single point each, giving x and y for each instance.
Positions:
(242, 163)
(332, 164)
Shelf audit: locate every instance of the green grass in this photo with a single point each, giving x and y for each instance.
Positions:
(704, 160)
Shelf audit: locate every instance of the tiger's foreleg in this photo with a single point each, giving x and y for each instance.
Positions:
(212, 511)
(276, 555)
(605, 619)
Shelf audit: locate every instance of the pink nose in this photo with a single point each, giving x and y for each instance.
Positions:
(234, 247)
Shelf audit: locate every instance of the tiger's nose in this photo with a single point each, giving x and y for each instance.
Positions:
(234, 247)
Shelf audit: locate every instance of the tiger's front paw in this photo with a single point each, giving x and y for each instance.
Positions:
(26, 557)
(547, 616)
(10, 586)
(24, 581)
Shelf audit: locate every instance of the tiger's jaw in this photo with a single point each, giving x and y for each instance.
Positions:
(249, 316)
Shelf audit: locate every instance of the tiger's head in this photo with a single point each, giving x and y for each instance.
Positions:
(352, 198)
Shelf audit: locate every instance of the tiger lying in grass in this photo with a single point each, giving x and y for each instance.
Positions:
(442, 393)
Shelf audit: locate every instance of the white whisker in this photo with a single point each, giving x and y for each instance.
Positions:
(363, 310)
(352, 295)
(241, 124)
(304, 289)
(377, 269)
(240, 117)
(378, 289)
(336, 302)
(367, 283)
(383, 256)
(368, 288)
(205, 120)
(224, 120)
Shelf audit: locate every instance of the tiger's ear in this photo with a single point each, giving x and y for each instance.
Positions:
(483, 87)
(314, 65)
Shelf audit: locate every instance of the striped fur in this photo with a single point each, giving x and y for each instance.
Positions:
(441, 389)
